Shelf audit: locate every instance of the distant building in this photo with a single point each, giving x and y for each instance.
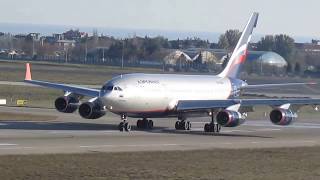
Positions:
(191, 59)
(34, 36)
(47, 39)
(265, 62)
(58, 36)
(260, 62)
(66, 43)
(20, 36)
(74, 35)
(313, 47)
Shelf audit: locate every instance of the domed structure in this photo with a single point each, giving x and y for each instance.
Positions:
(266, 62)
(272, 59)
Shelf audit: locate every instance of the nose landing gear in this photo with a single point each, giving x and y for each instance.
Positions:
(124, 125)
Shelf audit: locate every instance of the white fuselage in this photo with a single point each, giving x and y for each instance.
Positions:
(158, 94)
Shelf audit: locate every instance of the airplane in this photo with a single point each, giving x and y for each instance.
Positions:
(146, 96)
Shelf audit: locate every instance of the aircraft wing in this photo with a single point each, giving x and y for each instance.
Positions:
(255, 86)
(67, 88)
(196, 105)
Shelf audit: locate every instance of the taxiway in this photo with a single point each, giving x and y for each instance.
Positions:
(69, 133)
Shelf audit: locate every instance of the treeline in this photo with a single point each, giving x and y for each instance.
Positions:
(134, 49)
(98, 47)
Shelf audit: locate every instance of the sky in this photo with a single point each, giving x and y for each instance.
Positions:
(293, 17)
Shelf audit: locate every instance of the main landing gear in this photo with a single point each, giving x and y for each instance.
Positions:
(145, 124)
(183, 125)
(124, 125)
(212, 126)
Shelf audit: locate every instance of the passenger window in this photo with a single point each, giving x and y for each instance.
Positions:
(115, 88)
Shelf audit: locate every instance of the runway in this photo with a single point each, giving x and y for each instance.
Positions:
(69, 133)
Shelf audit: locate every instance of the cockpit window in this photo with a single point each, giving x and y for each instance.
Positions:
(117, 88)
(109, 88)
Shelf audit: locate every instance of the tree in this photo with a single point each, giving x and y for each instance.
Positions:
(266, 43)
(297, 68)
(223, 42)
(229, 39)
(284, 45)
(289, 68)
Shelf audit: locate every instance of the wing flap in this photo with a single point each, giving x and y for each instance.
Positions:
(194, 105)
(255, 86)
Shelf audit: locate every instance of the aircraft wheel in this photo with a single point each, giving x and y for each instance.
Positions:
(177, 125)
(150, 124)
(218, 127)
(139, 124)
(121, 126)
(212, 127)
(188, 126)
(127, 127)
(183, 125)
(206, 127)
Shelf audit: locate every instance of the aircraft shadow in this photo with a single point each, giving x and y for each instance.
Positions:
(222, 134)
(77, 126)
(32, 125)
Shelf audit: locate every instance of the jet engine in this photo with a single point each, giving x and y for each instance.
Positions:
(91, 110)
(282, 117)
(66, 104)
(227, 118)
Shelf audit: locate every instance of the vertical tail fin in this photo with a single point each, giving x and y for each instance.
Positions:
(238, 56)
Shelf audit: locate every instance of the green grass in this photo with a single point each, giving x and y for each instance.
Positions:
(66, 73)
(36, 96)
(248, 164)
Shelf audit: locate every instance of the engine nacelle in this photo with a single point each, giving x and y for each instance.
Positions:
(227, 118)
(282, 117)
(66, 104)
(91, 110)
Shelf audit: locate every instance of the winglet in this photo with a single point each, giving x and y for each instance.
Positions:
(28, 72)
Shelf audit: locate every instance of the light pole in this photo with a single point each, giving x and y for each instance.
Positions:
(86, 53)
(122, 54)
(102, 54)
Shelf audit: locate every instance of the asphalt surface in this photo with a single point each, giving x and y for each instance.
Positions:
(69, 133)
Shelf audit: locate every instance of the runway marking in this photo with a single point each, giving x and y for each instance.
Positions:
(7, 144)
(236, 130)
(268, 129)
(201, 144)
(83, 132)
(255, 142)
(130, 145)
(14, 148)
(227, 143)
